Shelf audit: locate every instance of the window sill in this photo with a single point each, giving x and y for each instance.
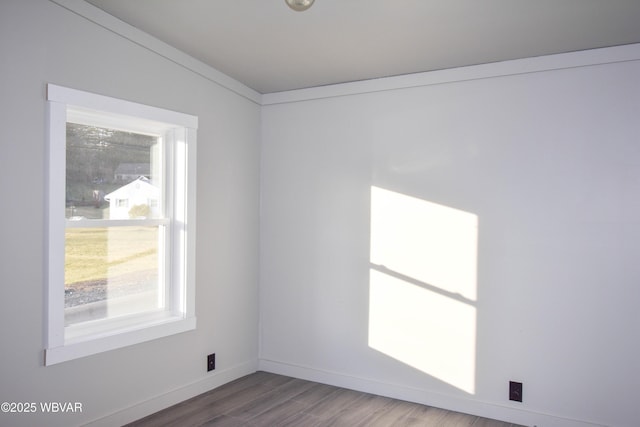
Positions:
(112, 339)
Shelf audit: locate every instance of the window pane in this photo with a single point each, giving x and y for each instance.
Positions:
(111, 272)
(112, 174)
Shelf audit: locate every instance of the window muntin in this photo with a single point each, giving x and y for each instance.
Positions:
(121, 223)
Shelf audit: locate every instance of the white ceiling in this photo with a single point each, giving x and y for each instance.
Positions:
(270, 48)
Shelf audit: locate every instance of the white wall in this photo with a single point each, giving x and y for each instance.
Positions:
(549, 164)
(42, 42)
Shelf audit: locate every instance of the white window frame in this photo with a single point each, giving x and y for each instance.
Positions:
(83, 339)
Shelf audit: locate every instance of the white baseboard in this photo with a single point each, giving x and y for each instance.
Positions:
(422, 396)
(162, 401)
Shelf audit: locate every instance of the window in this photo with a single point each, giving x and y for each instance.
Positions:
(121, 223)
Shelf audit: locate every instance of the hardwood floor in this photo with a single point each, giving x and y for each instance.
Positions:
(267, 400)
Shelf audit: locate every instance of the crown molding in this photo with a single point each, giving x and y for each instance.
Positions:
(585, 58)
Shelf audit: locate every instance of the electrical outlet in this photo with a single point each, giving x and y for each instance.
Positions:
(211, 362)
(515, 391)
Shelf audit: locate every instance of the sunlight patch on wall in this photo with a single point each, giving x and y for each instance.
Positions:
(423, 288)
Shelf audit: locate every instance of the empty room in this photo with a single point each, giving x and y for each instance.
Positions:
(214, 211)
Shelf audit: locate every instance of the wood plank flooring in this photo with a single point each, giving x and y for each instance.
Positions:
(268, 400)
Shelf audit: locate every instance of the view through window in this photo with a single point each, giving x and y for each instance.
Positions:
(111, 271)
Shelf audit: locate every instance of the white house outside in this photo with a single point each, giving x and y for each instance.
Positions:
(140, 194)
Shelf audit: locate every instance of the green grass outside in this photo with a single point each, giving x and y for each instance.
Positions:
(100, 253)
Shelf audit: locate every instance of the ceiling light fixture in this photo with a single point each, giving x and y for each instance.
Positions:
(299, 5)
